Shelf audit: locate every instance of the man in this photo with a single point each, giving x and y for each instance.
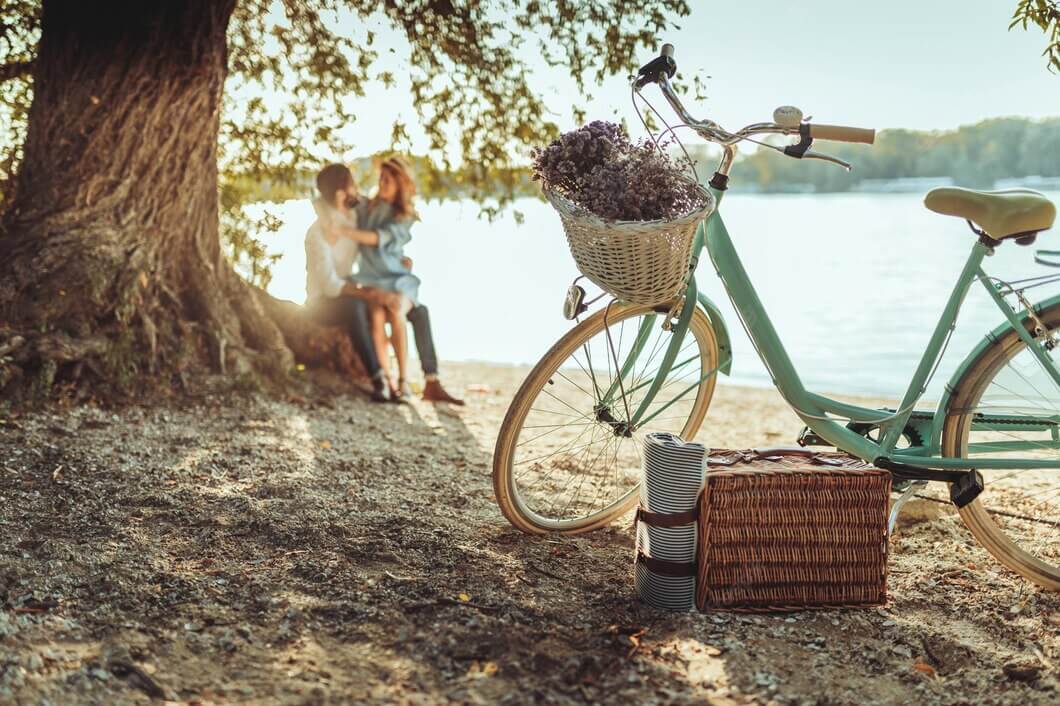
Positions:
(333, 300)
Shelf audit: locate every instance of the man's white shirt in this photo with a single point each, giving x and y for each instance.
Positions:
(327, 265)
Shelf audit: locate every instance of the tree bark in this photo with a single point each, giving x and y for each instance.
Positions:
(15, 70)
(110, 258)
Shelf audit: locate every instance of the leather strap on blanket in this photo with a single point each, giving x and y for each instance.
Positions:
(665, 567)
(661, 519)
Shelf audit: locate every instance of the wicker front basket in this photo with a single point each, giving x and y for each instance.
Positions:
(642, 262)
(790, 530)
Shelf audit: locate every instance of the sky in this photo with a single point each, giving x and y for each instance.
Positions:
(927, 64)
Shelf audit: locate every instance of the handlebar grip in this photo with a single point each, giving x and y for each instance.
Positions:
(842, 133)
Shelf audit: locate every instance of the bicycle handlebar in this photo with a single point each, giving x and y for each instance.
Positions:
(663, 67)
(842, 133)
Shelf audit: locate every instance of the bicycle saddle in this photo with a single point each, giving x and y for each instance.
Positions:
(1012, 213)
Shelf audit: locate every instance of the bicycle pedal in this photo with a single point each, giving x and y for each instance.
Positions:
(966, 489)
(808, 438)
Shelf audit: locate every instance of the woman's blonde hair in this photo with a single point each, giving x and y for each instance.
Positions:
(405, 188)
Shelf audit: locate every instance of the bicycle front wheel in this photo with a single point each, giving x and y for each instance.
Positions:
(1008, 405)
(567, 458)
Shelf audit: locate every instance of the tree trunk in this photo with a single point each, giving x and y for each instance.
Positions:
(110, 260)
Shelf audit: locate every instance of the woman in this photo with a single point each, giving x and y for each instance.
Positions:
(384, 266)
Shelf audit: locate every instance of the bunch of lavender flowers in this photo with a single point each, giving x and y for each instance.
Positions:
(600, 169)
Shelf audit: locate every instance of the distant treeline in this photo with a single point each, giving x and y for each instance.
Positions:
(975, 156)
(432, 182)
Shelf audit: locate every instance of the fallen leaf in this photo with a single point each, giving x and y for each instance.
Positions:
(924, 668)
(325, 444)
(464, 597)
(484, 669)
(634, 640)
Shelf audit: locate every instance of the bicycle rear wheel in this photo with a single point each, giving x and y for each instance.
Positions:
(567, 460)
(1017, 517)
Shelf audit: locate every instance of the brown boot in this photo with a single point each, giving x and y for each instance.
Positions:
(434, 392)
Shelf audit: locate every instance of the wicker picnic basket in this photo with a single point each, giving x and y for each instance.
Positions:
(642, 262)
(791, 529)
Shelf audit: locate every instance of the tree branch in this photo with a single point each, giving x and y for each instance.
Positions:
(16, 69)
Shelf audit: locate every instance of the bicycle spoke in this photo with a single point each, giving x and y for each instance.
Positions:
(583, 468)
(552, 467)
(643, 371)
(1013, 392)
(560, 426)
(587, 394)
(552, 411)
(1022, 501)
(574, 459)
(1013, 368)
(556, 495)
(562, 450)
(584, 475)
(557, 426)
(592, 375)
(565, 404)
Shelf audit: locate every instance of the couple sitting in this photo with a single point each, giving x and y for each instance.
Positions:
(371, 233)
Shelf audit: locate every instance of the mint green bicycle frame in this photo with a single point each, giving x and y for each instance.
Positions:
(814, 409)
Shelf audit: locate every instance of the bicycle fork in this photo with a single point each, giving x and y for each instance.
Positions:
(618, 396)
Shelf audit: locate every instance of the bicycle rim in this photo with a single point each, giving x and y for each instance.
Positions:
(1017, 517)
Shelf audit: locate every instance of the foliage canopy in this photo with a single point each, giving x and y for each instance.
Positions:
(1044, 14)
(300, 71)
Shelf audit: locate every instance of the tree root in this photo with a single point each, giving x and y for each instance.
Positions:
(272, 338)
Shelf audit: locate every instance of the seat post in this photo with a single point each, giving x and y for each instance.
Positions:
(983, 237)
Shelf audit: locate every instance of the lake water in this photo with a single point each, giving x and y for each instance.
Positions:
(854, 283)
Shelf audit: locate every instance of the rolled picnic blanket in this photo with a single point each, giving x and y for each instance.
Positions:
(673, 475)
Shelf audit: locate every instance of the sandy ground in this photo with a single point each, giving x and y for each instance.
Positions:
(317, 551)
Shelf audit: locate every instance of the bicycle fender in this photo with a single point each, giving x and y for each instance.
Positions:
(947, 393)
(721, 332)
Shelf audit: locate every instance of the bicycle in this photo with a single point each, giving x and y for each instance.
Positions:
(567, 458)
